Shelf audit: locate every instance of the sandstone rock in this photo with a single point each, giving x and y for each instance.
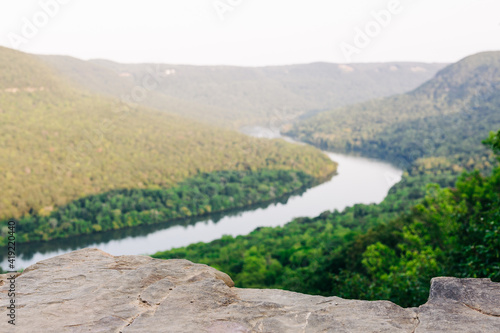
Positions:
(91, 291)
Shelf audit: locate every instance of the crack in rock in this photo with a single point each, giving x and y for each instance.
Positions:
(147, 307)
(418, 323)
(132, 319)
(480, 311)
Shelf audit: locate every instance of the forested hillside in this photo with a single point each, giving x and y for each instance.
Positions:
(197, 196)
(237, 96)
(443, 218)
(59, 144)
(459, 105)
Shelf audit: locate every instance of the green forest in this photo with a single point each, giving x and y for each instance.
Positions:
(59, 144)
(388, 251)
(197, 196)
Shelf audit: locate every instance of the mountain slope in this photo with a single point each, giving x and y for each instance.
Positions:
(237, 96)
(59, 143)
(445, 116)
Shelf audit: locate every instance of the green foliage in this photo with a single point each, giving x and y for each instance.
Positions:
(493, 142)
(196, 196)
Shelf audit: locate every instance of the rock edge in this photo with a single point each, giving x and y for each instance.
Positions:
(91, 291)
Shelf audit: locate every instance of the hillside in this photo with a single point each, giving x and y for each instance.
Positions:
(59, 144)
(236, 96)
(455, 108)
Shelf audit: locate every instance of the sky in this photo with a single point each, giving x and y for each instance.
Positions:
(252, 32)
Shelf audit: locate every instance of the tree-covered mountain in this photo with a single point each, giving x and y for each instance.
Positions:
(59, 143)
(237, 96)
(459, 104)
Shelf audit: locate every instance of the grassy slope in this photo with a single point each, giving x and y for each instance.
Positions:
(59, 143)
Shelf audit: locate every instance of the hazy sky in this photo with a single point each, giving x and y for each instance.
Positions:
(253, 32)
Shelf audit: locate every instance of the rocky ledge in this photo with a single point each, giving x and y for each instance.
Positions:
(91, 291)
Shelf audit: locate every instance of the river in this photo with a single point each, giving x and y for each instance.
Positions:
(359, 180)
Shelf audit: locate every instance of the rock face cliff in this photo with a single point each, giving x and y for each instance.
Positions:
(91, 291)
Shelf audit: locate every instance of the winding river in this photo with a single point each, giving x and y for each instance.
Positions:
(359, 180)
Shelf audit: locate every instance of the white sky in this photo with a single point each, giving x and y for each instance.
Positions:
(255, 32)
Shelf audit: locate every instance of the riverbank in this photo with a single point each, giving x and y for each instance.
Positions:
(359, 180)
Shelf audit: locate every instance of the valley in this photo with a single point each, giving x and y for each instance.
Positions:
(134, 176)
(250, 166)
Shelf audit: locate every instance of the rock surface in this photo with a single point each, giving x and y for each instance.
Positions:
(91, 291)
